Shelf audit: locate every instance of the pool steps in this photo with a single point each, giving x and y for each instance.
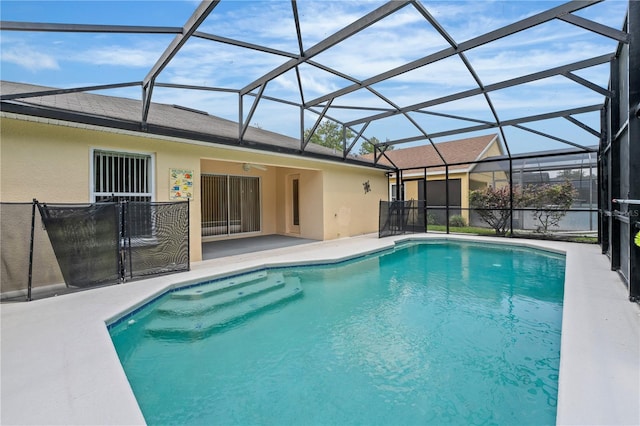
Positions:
(205, 302)
(194, 317)
(200, 291)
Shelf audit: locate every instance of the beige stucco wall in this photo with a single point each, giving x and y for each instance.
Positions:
(482, 180)
(50, 161)
(348, 210)
(52, 164)
(494, 150)
(310, 203)
(410, 189)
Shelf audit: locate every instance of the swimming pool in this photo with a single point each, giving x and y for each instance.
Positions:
(427, 333)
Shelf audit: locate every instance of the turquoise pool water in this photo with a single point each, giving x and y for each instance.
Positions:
(436, 333)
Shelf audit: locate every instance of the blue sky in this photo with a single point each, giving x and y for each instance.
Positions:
(84, 59)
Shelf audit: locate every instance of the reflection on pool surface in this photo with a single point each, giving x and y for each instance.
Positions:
(429, 333)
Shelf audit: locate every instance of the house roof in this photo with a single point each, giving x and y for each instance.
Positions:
(163, 120)
(459, 153)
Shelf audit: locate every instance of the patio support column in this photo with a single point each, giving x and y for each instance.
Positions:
(603, 178)
(240, 115)
(302, 128)
(633, 157)
(388, 175)
(424, 199)
(446, 193)
(615, 163)
(510, 197)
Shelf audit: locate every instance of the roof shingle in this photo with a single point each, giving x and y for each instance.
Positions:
(165, 115)
(454, 152)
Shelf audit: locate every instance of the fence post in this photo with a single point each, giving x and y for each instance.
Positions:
(634, 253)
(126, 238)
(188, 234)
(33, 227)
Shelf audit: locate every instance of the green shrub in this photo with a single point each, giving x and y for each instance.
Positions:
(493, 206)
(432, 219)
(457, 221)
(551, 203)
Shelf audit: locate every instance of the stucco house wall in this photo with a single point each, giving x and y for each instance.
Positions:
(349, 209)
(50, 160)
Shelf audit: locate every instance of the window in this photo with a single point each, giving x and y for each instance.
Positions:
(295, 198)
(230, 204)
(123, 176)
(119, 176)
(393, 194)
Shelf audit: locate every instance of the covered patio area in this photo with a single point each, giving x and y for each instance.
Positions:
(260, 243)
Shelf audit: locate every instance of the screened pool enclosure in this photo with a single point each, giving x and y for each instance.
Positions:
(559, 83)
(442, 208)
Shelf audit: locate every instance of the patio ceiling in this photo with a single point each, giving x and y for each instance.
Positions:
(399, 73)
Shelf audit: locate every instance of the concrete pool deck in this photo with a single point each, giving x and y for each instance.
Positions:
(58, 365)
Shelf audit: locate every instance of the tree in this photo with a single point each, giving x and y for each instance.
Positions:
(367, 146)
(572, 174)
(550, 202)
(493, 205)
(329, 134)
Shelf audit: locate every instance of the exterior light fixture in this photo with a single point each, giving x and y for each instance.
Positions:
(248, 166)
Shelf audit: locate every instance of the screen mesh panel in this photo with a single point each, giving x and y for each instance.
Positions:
(156, 238)
(85, 241)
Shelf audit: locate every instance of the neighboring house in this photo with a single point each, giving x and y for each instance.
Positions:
(421, 164)
(83, 148)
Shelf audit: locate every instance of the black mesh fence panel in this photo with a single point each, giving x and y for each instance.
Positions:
(76, 246)
(156, 238)
(415, 212)
(85, 240)
(401, 217)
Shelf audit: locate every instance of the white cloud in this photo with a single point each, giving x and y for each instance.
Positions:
(29, 58)
(115, 55)
(319, 20)
(214, 64)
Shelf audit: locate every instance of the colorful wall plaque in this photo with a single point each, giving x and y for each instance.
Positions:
(180, 184)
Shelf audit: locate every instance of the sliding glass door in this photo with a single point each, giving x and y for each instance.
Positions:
(230, 204)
